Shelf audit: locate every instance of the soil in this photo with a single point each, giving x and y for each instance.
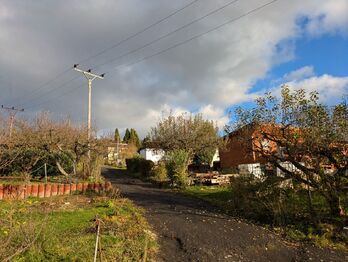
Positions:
(189, 229)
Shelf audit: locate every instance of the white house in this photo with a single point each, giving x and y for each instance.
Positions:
(154, 155)
(216, 157)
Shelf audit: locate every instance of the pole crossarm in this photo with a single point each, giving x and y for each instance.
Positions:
(12, 111)
(88, 74)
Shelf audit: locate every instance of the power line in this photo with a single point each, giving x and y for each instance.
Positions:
(44, 84)
(49, 91)
(138, 33)
(113, 46)
(170, 33)
(56, 97)
(190, 39)
(198, 36)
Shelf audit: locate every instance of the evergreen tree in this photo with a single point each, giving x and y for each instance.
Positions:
(146, 142)
(126, 136)
(134, 138)
(117, 137)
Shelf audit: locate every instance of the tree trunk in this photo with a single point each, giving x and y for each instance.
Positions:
(61, 169)
(334, 204)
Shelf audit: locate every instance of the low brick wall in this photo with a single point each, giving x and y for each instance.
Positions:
(48, 190)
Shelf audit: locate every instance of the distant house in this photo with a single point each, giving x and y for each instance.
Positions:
(238, 154)
(154, 155)
(115, 152)
(238, 150)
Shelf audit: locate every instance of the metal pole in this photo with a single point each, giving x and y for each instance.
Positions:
(89, 117)
(12, 111)
(90, 77)
(96, 242)
(46, 172)
(117, 150)
(11, 124)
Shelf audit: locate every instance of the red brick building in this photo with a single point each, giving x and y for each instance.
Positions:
(241, 144)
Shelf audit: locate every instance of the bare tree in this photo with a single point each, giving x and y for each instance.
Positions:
(300, 130)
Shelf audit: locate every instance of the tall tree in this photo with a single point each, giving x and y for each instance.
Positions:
(300, 130)
(126, 136)
(117, 137)
(134, 138)
(190, 133)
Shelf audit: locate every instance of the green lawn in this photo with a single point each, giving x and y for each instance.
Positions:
(63, 229)
(217, 195)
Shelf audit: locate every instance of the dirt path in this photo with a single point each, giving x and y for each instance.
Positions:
(192, 230)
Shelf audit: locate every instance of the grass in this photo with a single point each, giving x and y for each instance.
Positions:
(63, 229)
(295, 226)
(217, 195)
(37, 180)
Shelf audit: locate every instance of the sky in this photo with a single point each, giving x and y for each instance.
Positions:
(199, 56)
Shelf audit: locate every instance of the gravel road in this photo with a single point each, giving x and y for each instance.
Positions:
(192, 230)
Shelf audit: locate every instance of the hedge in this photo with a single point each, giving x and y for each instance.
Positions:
(139, 165)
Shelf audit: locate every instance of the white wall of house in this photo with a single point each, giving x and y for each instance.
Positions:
(247, 169)
(154, 155)
(257, 169)
(216, 157)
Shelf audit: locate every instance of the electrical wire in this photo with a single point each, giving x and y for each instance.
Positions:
(139, 32)
(192, 38)
(170, 33)
(197, 36)
(49, 91)
(109, 48)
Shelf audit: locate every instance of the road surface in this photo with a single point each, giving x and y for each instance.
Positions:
(192, 230)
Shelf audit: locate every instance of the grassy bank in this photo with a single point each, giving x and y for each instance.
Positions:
(290, 220)
(63, 229)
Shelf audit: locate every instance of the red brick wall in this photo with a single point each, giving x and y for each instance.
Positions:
(48, 190)
(237, 152)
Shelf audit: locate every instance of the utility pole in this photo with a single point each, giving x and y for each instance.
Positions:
(12, 111)
(90, 77)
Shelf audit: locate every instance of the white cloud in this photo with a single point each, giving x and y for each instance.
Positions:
(329, 87)
(301, 73)
(329, 17)
(215, 114)
(218, 70)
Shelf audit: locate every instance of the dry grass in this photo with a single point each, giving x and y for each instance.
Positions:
(63, 229)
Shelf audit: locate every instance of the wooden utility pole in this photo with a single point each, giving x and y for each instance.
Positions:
(12, 111)
(90, 77)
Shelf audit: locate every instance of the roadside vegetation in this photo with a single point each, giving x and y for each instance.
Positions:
(64, 229)
(30, 144)
(186, 139)
(308, 201)
(284, 211)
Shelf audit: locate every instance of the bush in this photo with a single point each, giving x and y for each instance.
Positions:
(177, 162)
(159, 173)
(139, 165)
(146, 167)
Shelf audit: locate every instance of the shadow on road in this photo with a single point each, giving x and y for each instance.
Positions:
(189, 229)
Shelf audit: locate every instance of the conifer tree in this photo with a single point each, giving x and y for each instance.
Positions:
(134, 138)
(117, 137)
(126, 136)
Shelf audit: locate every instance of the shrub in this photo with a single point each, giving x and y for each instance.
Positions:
(177, 162)
(159, 173)
(139, 165)
(146, 167)
(133, 164)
